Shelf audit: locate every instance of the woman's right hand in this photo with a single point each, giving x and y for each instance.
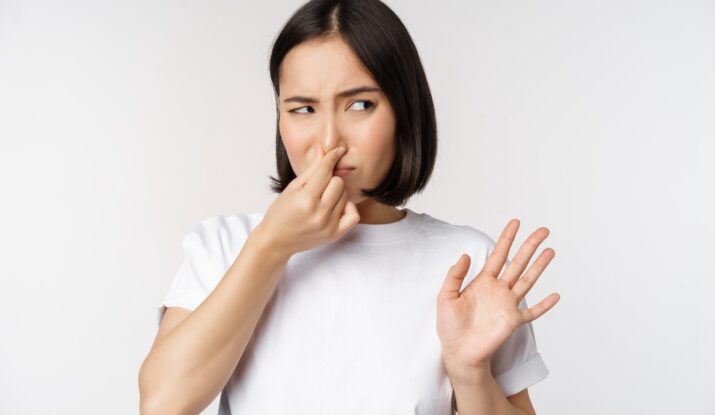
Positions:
(312, 210)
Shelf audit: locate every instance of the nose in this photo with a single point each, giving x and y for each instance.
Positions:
(330, 136)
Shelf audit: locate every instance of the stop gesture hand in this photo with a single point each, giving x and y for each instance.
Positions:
(474, 323)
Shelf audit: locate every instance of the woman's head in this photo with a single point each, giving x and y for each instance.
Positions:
(388, 129)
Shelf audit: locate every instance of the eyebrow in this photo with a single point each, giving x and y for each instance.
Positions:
(346, 93)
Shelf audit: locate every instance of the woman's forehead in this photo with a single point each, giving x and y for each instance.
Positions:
(325, 67)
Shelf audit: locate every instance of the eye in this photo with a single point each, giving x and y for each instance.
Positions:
(298, 112)
(371, 104)
(368, 104)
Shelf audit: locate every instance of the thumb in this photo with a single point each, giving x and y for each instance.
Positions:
(349, 218)
(455, 276)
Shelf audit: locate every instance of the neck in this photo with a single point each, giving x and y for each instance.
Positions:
(374, 213)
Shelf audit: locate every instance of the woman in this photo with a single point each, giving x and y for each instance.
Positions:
(333, 300)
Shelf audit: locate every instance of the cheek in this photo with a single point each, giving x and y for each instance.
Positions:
(378, 141)
(295, 141)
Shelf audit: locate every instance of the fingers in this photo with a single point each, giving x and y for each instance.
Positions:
(340, 206)
(302, 178)
(524, 284)
(332, 193)
(538, 310)
(455, 277)
(495, 262)
(521, 260)
(322, 172)
(314, 163)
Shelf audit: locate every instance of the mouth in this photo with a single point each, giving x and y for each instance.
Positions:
(342, 171)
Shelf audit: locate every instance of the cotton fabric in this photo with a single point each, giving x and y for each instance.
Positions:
(351, 325)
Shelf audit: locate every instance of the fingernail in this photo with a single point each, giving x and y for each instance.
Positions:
(341, 151)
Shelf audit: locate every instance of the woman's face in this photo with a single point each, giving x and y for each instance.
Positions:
(313, 113)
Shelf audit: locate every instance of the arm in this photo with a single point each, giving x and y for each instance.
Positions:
(189, 365)
(478, 393)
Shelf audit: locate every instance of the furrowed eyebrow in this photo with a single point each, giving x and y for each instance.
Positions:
(346, 93)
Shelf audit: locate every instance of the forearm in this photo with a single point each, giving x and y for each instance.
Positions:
(477, 393)
(188, 368)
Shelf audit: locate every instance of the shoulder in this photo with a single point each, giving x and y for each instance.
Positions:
(466, 234)
(452, 239)
(221, 235)
(235, 225)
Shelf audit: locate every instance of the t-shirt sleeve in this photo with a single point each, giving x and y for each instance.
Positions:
(517, 364)
(192, 282)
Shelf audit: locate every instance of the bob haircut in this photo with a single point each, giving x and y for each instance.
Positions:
(381, 42)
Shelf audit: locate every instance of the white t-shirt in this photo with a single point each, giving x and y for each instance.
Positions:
(351, 325)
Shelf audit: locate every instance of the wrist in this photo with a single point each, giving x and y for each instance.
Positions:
(466, 375)
(262, 241)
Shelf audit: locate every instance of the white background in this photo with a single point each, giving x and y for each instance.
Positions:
(124, 123)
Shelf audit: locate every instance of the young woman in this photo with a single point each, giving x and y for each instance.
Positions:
(333, 300)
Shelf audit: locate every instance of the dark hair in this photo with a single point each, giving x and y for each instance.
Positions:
(380, 40)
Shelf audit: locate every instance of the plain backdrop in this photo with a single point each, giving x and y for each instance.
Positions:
(124, 123)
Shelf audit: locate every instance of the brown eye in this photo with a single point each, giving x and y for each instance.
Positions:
(368, 103)
(297, 112)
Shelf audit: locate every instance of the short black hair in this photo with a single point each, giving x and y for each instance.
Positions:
(380, 40)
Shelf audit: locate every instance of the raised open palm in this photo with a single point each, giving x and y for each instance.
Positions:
(474, 323)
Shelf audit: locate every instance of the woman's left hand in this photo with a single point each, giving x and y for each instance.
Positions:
(473, 324)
